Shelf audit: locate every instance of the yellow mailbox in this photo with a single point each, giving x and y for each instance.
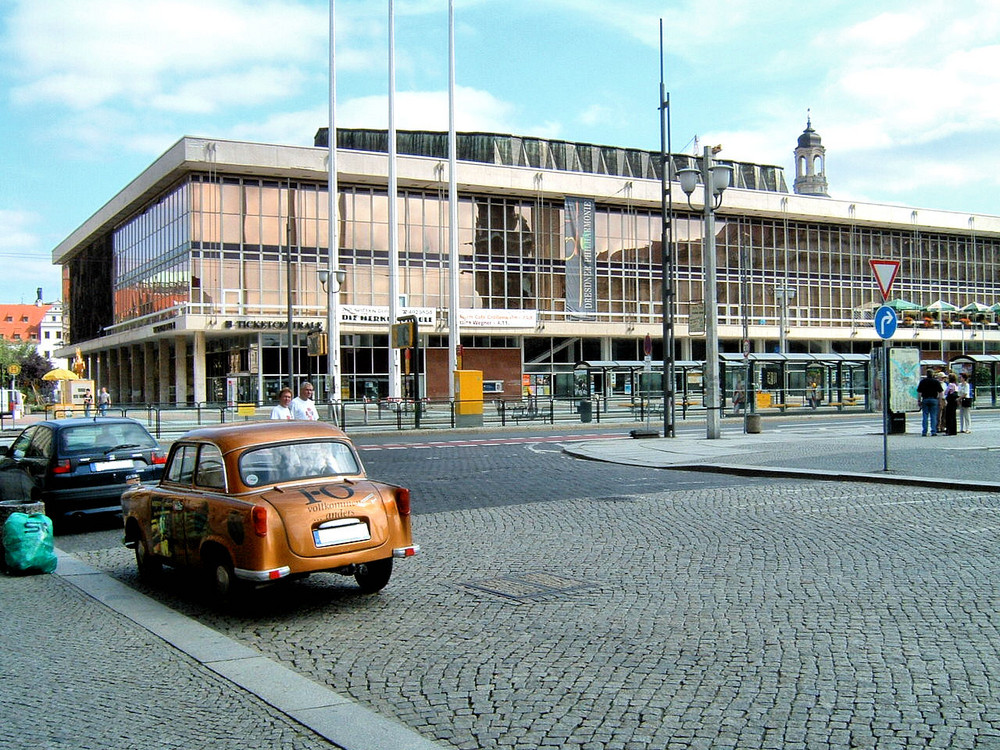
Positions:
(468, 398)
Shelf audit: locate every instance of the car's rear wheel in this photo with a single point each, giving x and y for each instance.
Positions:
(222, 581)
(373, 576)
(148, 565)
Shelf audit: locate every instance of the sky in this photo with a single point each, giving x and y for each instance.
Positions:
(904, 93)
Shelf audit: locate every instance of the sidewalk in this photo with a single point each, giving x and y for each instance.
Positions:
(854, 451)
(88, 662)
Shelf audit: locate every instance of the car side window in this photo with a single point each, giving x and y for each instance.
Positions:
(211, 473)
(42, 444)
(20, 446)
(182, 462)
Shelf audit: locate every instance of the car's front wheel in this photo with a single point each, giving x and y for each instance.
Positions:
(373, 576)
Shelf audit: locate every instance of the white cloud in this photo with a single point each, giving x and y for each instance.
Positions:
(428, 110)
(82, 54)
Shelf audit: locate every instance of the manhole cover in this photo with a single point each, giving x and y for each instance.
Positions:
(529, 585)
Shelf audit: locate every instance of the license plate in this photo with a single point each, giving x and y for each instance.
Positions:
(111, 465)
(356, 531)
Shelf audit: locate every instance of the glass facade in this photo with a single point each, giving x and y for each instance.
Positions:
(226, 246)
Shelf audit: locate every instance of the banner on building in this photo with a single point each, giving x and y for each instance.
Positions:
(580, 255)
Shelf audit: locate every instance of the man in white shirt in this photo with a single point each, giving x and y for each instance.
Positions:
(304, 407)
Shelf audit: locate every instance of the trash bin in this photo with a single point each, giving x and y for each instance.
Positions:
(586, 410)
(897, 422)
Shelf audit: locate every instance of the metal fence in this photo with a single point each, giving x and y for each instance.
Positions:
(386, 415)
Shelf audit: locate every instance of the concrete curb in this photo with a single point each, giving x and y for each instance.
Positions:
(341, 721)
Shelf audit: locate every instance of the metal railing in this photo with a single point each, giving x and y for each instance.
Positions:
(169, 421)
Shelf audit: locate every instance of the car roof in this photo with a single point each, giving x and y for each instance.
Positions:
(242, 434)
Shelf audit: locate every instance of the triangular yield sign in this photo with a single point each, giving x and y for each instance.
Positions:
(885, 274)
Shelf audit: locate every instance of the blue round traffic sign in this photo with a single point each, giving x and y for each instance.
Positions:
(886, 321)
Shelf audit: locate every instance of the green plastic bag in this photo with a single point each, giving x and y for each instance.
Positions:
(28, 543)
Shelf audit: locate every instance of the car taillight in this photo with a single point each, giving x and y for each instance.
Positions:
(62, 467)
(403, 501)
(259, 518)
(159, 458)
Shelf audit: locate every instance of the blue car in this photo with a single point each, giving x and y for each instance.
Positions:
(79, 466)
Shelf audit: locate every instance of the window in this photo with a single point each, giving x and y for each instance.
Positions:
(181, 468)
(284, 463)
(211, 472)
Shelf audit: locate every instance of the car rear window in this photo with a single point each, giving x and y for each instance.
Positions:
(100, 438)
(293, 461)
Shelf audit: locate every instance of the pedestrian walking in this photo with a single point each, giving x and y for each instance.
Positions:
(951, 405)
(88, 402)
(942, 404)
(927, 391)
(281, 409)
(304, 407)
(103, 401)
(813, 394)
(964, 403)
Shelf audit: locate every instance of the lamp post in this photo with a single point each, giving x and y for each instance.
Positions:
(782, 294)
(715, 178)
(332, 286)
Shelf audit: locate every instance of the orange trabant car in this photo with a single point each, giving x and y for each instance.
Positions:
(253, 503)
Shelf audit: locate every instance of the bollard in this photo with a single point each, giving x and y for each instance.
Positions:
(753, 424)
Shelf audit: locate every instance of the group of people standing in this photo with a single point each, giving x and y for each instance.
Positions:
(103, 402)
(945, 403)
(300, 407)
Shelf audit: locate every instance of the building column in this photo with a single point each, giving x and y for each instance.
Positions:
(199, 369)
(148, 373)
(135, 373)
(180, 371)
(163, 378)
(111, 375)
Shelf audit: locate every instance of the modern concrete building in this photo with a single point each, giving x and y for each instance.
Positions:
(182, 287)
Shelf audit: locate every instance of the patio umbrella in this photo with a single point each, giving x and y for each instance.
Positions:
(995, 307)
(941, 306)
(977, 307)
(902, 305)
(60, 373)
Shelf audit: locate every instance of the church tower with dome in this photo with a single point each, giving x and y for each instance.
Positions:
(810, 163)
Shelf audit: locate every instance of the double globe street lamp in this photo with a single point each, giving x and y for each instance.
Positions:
(715, 178)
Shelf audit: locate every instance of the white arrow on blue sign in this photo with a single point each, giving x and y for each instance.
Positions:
(886, 322)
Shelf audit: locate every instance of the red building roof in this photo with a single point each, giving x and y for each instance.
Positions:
(22, 323)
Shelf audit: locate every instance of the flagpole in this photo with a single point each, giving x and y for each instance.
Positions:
(454, 334)
(395, 388)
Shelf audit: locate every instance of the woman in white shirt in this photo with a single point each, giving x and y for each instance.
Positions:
(964, 403)
(281, 410)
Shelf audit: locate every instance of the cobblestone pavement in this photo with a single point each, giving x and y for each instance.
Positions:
(786, 614)
(77, 676)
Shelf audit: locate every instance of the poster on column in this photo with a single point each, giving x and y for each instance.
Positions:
(580, 256)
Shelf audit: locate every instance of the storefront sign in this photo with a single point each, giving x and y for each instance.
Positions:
(380, 315)
(497, 318)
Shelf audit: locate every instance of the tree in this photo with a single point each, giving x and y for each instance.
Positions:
(33, 366)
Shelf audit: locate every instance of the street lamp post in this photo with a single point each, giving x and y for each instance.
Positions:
(715, 178)
(332, 287)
